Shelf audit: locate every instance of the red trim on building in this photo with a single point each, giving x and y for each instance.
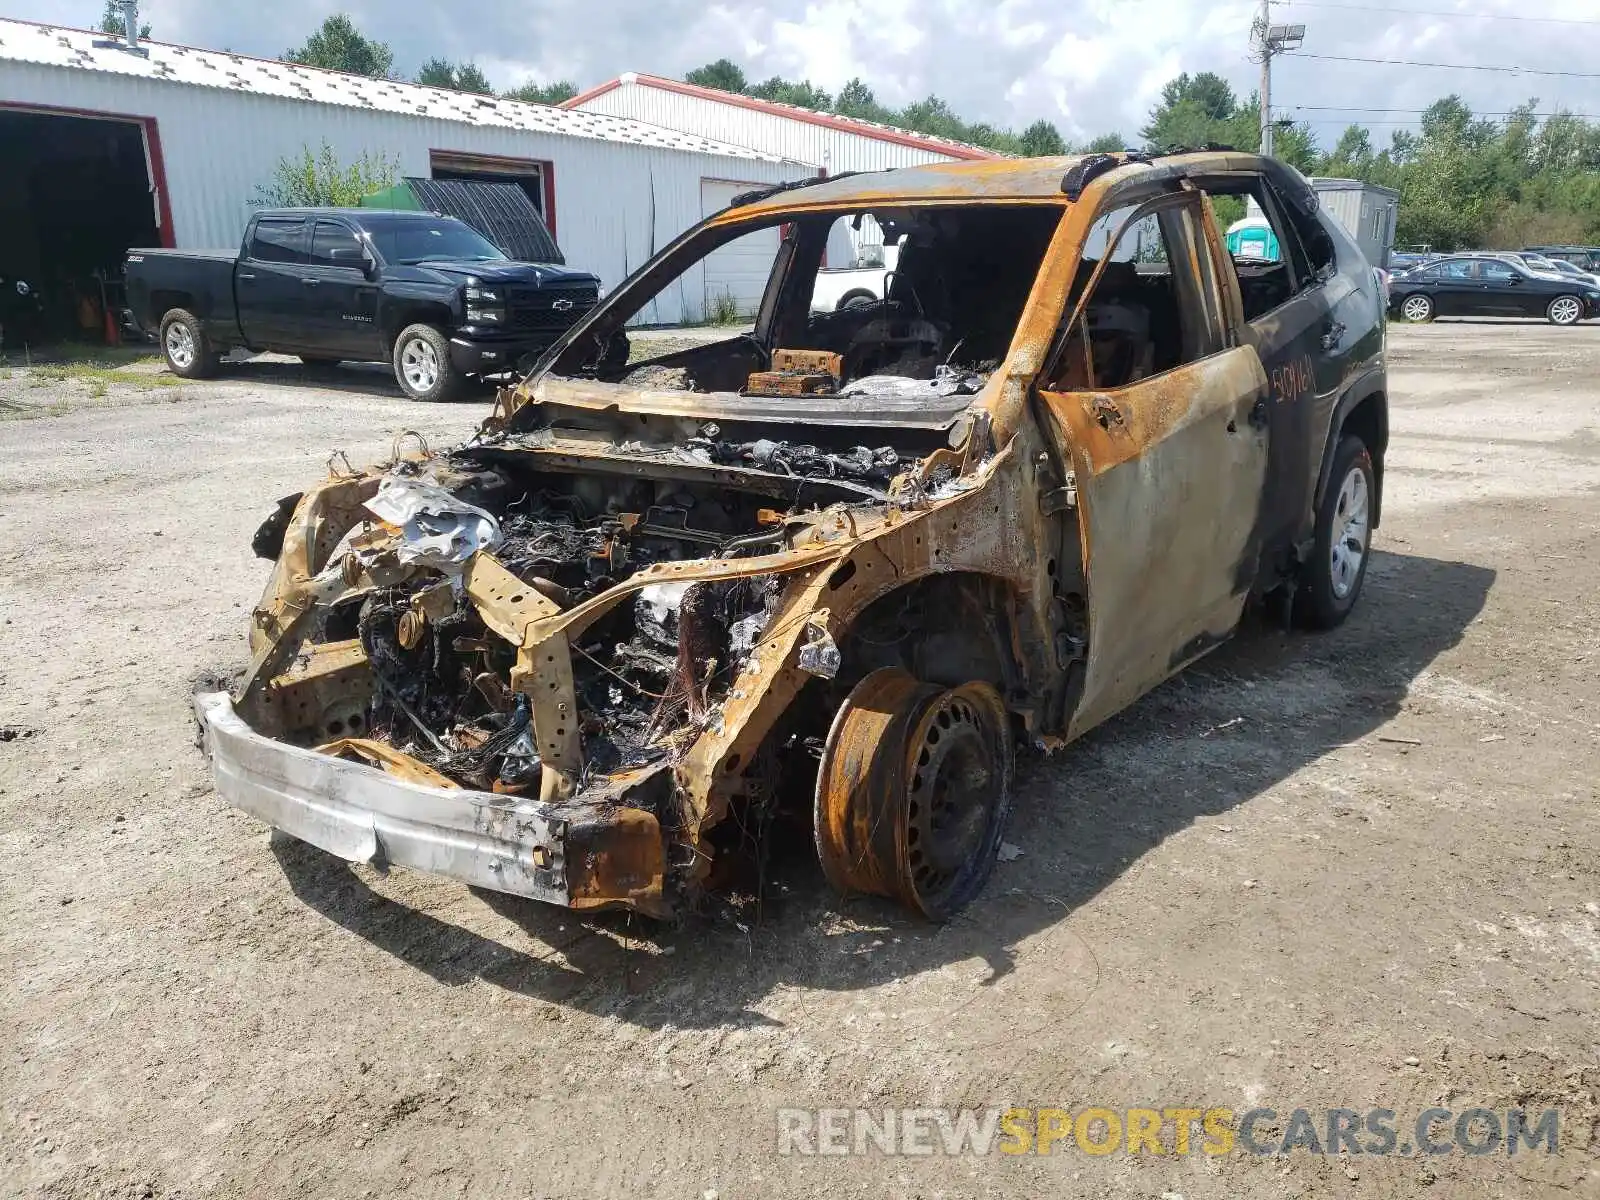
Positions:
(152, 141)
(550, 199)
(828, 120)
(158, 177)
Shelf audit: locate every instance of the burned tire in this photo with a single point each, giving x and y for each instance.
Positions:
(1417, 309)
(1338, 565)
(189, 352)
(913, 791)
(1564, 310)
(422, 365)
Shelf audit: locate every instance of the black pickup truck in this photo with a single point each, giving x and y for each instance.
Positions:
(424, 292)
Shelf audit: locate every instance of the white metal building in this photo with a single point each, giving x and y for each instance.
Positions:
(104, 148)
(830, 143)
(824, 140)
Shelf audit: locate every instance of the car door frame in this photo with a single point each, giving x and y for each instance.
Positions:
(342, 301)
(1300, 344)
(1454, 296)
(1501, 298)
(267, 292)
(1142, 460)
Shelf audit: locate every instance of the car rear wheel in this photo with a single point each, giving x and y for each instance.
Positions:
(913, 791)
(422, 364)
(189, 352)
(1565, 310)
(1338, 566)
(1417, 309)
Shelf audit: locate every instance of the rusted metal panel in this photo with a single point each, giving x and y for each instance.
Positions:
(1170, 472)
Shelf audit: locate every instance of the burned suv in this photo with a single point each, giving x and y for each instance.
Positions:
(822, 578)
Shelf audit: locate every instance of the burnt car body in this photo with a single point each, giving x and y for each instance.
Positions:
(836, 569)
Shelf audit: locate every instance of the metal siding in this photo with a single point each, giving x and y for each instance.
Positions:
(618, 202)
(1364, 212)
(770, 133)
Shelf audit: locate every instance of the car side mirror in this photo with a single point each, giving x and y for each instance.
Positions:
(348, 256)
(1515, 279)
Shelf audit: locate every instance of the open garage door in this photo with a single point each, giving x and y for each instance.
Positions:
(533, 176)
(76, 192)
(737, 273)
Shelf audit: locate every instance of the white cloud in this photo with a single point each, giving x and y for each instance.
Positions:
(1091, 66)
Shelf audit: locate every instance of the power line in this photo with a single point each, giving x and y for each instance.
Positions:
(1509, 113)
(1430, 12)
(1406, 62)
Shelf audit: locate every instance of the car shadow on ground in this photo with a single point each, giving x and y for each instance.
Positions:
(1262, 707)
(370, 379)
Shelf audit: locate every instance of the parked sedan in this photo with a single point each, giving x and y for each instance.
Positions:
(1565, 268)
(1491, 287)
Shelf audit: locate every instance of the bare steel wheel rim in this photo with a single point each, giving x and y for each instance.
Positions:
(180, 345)
(1416, 308)
(954, 783)
(419, 363)
(1351, 522)
(1565, 310)
(912, 791)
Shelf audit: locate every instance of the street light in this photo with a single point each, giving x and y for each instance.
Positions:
(1285, 37)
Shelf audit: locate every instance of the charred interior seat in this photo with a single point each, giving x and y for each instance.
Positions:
(1133, 324)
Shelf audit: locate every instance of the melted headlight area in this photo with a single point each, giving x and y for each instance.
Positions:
(399, 632)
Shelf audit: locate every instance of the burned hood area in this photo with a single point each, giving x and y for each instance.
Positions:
(397, 628)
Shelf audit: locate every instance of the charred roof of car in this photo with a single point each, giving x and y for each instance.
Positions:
(1019, 180)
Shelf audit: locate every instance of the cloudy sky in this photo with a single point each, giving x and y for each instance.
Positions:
(1091, 66)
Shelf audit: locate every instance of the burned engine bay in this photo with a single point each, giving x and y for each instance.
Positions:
(400, 647)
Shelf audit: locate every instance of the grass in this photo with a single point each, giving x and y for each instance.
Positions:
(95, 369)
(724, 311)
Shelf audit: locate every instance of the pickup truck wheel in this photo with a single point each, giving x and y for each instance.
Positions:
(189, 352)
(856, 299)
(422, 364)
(1338, 564)
(913, 791)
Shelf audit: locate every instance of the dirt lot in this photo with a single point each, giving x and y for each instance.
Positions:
(1357, 870)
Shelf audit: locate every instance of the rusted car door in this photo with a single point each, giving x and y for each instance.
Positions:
(1168, 465)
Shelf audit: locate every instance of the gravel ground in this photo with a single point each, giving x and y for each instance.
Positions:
(1356, 870)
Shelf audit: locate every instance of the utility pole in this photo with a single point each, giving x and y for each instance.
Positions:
(1270, 40)
(1264, 23)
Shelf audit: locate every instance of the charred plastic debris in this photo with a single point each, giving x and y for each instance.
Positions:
(400, 664)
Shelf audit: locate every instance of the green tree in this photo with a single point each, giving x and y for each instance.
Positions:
(319, 180)
(340, 46)
(113, 24)
(856, 100)
(723, 74)
(441, 73)
(543, 93)
(1352, 156)
(804, 94)
(1042, 138)
(1106, 143)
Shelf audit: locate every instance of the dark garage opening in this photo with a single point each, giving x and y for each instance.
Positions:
(75, 194)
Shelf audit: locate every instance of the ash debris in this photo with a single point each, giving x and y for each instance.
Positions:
(863, 464)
